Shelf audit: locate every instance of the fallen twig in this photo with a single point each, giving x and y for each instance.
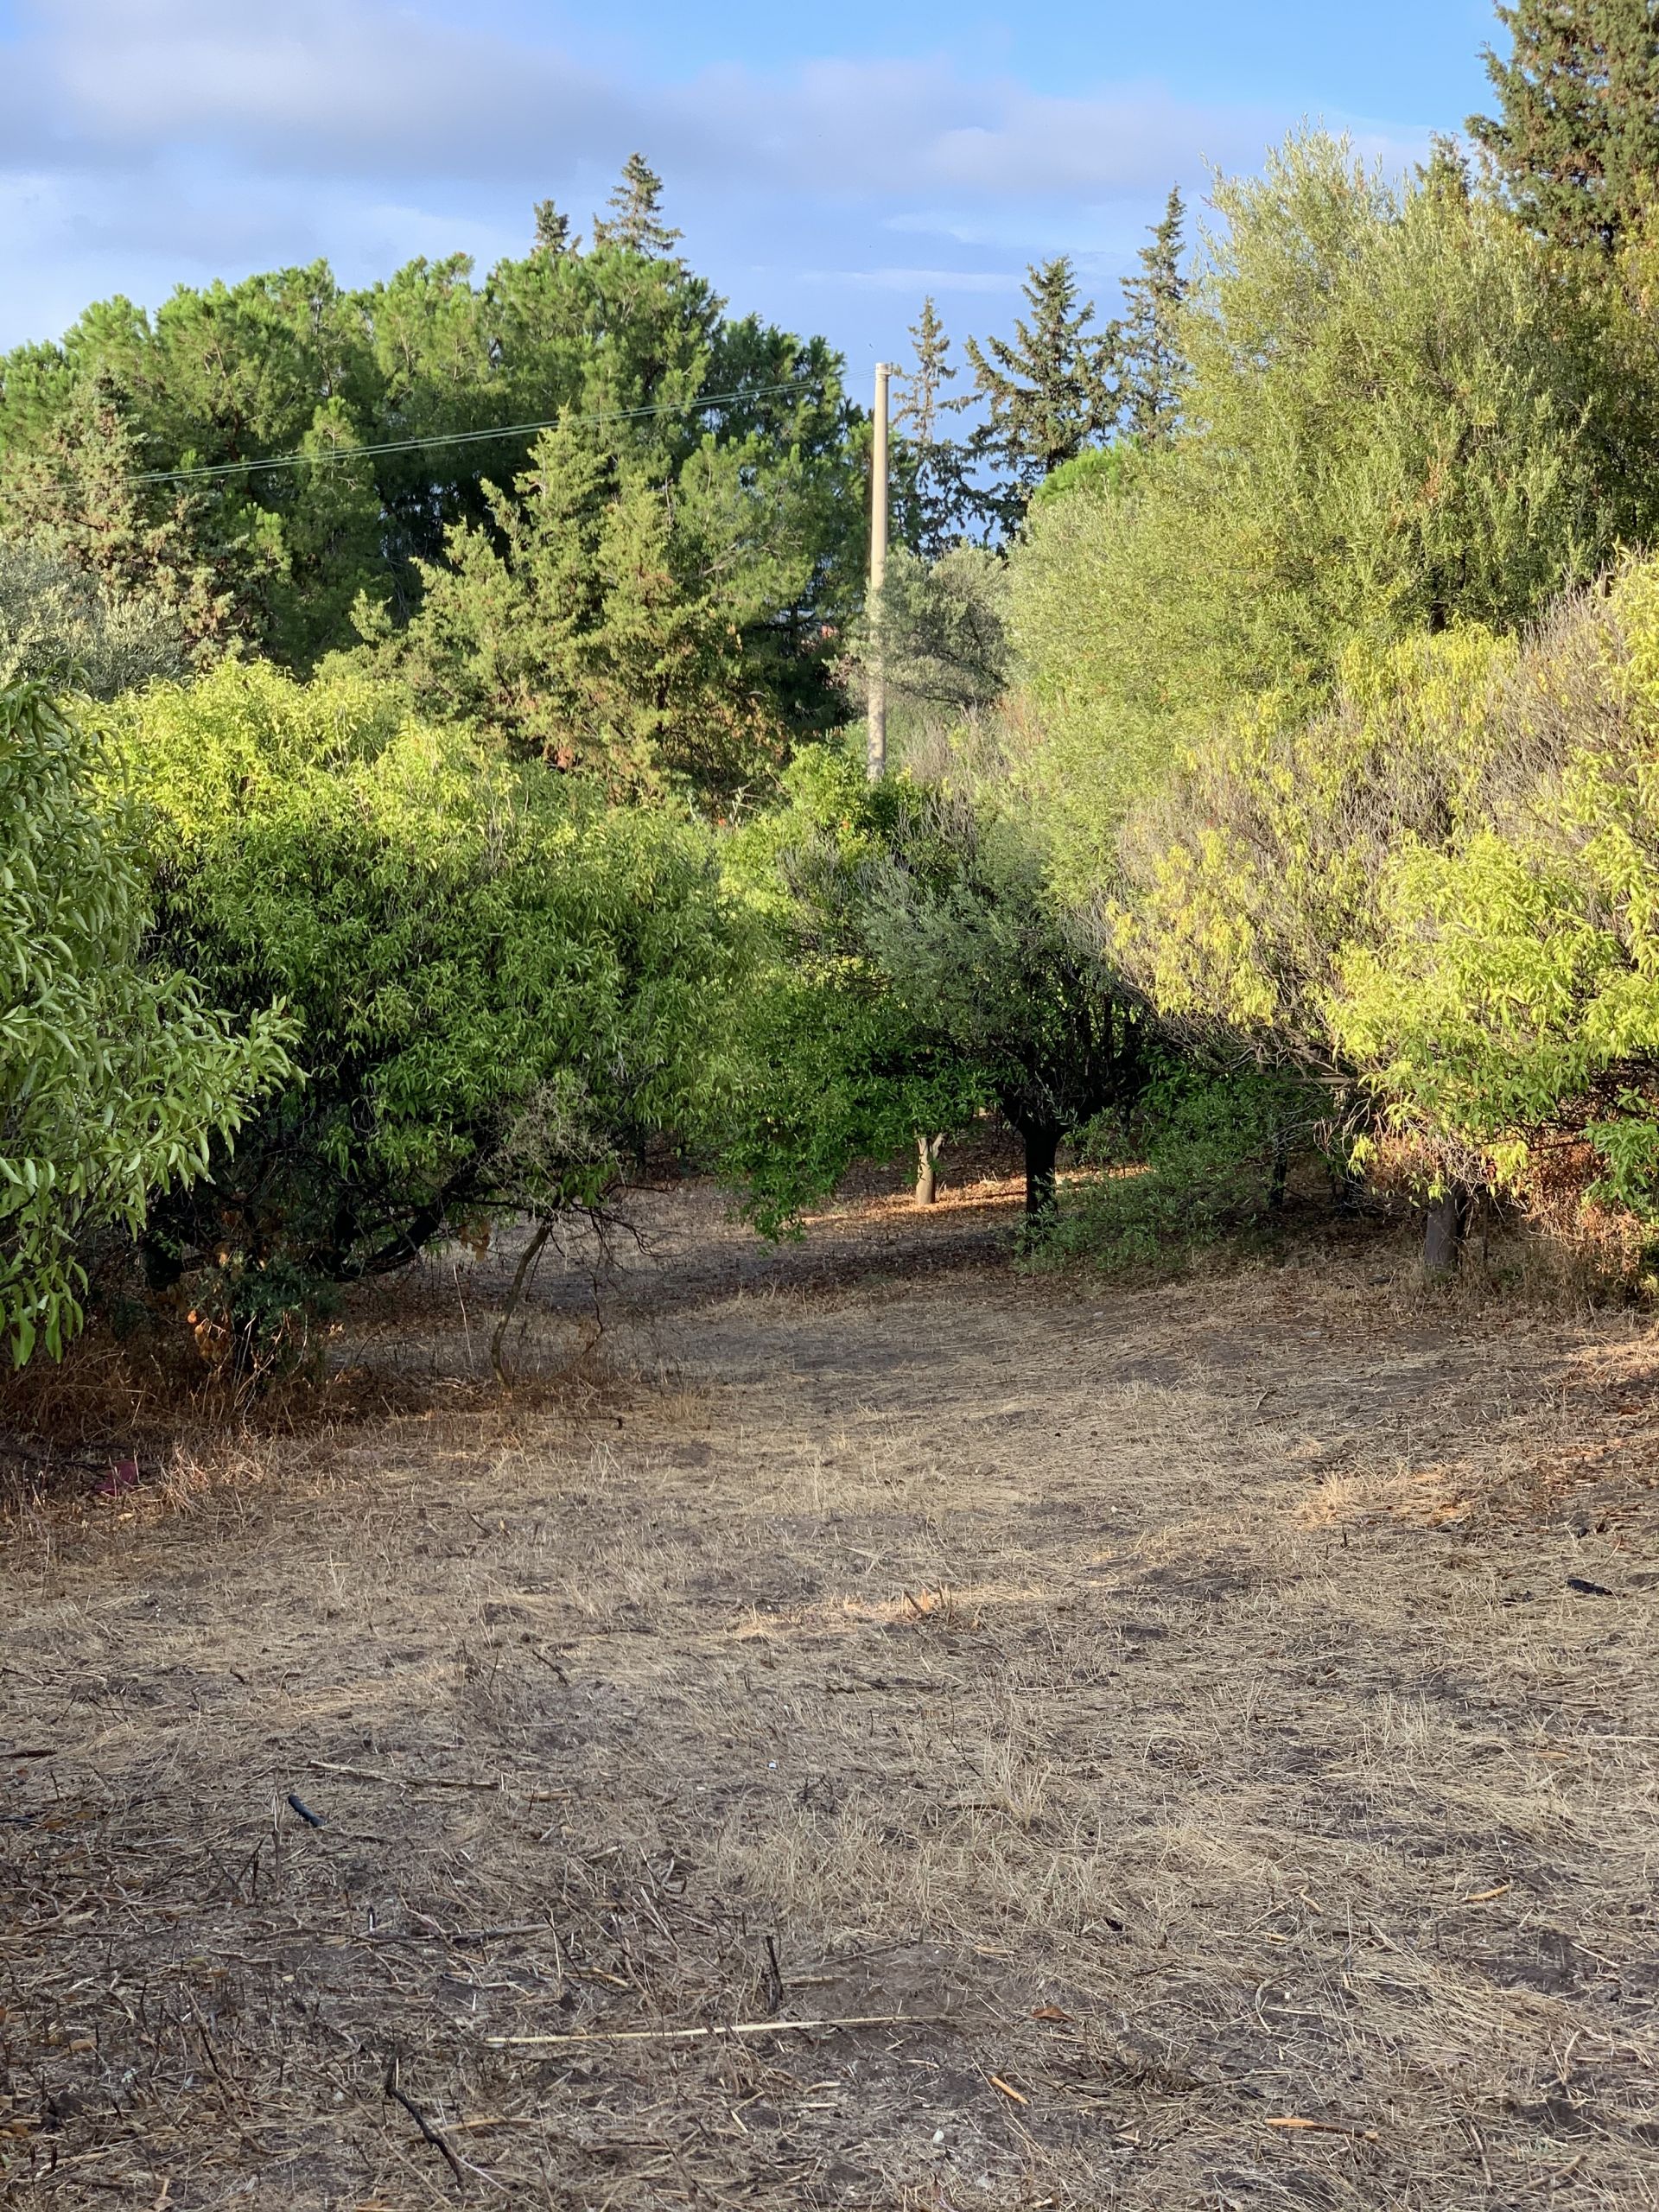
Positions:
(462, 1938)
(734, 2028)
(431, 2133)
(498, 1788)
(1323, 2127)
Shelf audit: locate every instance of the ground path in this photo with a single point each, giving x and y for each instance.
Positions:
(1210, 1727)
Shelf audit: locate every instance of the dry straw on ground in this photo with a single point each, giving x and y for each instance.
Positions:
(1207, 1730)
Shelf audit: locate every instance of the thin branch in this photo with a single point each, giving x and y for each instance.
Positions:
(735, 2028)
(432, 2135)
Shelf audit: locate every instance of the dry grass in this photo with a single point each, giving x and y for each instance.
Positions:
(1171, 1708)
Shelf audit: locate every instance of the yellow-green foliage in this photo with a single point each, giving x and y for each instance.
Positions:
(115, 1077)
(1446, 887)
(1257, 866)
(504, 988)
(1399, 419)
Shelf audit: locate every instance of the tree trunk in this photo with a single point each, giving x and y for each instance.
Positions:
(927, 1169)
(1281, 1174)
(1445, 1223)
(528, 1260)
(1042, 1202)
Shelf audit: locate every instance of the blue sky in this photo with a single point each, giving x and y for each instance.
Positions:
(829, 167)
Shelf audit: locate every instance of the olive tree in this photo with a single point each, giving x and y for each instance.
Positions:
(943, 979)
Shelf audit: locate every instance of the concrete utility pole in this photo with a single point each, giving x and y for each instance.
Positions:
(876, 743)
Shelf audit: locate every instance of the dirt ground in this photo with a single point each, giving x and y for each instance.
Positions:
(1203, 1733)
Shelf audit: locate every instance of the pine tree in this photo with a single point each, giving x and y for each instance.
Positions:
(941, 500)
(636, 220)
(1576, 137)
(1152, 369)
(924, 399)
(1049, 391)
(552, 233)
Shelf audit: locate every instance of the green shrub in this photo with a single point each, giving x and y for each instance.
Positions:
(1203, 1154)
(116, 1076)
(1444, 890)
(506, 990)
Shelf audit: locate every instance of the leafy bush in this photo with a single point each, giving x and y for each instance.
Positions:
(115, 1077)
(1205, 1153)
(505, 990)
(948, 979)
(1256, 868)
(1445, 889)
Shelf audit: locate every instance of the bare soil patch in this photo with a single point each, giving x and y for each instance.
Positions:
(1209, 1728)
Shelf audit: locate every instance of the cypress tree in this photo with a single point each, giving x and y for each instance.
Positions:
(1576, 136)
(1152, 368)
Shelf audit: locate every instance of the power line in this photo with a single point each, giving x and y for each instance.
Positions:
(465, 438)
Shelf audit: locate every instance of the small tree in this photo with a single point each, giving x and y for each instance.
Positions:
(945, 980)
(941, 631)
(992, 972)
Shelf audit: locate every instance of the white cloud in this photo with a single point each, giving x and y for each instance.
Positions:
(144, 142)
(361, 88)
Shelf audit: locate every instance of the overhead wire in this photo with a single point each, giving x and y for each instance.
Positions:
(467, 437)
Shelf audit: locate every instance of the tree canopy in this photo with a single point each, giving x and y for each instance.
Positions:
(1576, 135)
(354, 429)
(1398, 417)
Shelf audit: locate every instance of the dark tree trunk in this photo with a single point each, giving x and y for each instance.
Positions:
(1042, 1149)
(1446, 1222)
(1280, 1173)
(927, 1169)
